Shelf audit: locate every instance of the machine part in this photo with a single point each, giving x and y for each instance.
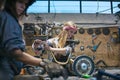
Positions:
(103, 73)
(82, 48)
(41, 37)
(29, 26)
(83, 65)
(106, 31)
(90, 31)
(70, 71)
(55, 70)
(114, 37)
(81, 31)
(97, 31)
(94, 36)
(94, 47)
(119, 34)
(35, 70)
(64, 74)
(57, 31)
(70, 41)
(110, 49)
(101, 62)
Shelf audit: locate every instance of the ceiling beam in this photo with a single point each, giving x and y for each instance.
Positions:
(81, 0)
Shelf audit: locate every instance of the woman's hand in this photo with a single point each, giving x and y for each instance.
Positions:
(46, 46)
(40, 44)
(36, 43)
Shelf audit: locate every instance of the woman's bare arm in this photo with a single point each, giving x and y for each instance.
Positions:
(26, 58)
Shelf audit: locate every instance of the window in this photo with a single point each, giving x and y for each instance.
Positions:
(94, 7)
(115, 7)
(73, 7)
(39, 7)
(64, 7)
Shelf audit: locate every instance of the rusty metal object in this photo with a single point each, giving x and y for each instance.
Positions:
(97, 31)
(106, 31)
(114, 37)
(56, 70)
(81, 31)
(90, 31)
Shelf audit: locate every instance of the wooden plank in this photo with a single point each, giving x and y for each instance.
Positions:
(110, 56)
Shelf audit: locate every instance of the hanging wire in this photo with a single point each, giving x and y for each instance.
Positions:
(54, 16)
(107, 9)
(98, 6)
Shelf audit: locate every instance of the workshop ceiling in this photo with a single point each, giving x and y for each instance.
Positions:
(79, 0)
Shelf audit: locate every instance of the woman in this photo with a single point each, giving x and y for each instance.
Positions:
(12, 46)
(58, 44)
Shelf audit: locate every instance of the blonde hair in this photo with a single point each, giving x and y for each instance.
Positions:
(63, 35)
(70, 23)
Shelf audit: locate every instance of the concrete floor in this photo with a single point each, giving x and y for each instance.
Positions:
(108, 70)
(45, 77)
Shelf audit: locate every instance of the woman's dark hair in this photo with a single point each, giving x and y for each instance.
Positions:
(10, 7)
(29, 4)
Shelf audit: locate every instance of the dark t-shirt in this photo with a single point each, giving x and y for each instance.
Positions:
(10, 36)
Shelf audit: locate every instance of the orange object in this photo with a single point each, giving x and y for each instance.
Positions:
(22, 71)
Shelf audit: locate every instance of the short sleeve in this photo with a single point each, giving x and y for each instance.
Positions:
(12, 34)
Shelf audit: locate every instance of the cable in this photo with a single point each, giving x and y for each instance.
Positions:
(54, 16)
(98, 5)
(106, 9)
